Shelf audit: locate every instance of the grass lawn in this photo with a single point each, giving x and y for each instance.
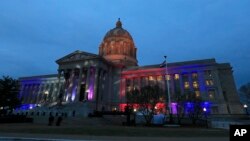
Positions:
(114, 130)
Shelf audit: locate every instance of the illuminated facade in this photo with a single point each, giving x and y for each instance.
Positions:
(100, 82)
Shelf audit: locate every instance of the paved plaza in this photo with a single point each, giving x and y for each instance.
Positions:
(45, 137)
(41, 132)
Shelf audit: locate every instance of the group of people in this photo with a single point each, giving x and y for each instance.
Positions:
(52, 118)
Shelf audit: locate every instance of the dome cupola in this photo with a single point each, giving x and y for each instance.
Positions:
(118, 47)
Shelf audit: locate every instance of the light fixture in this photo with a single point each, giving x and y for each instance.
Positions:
(245, 106)
(204, 109)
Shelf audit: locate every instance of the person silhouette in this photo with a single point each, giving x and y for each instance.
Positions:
(51, 119)
(59, 120)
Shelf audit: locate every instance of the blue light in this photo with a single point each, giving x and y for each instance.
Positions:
(33, 81)
(26, 107)
(207, 106)
(190, 106)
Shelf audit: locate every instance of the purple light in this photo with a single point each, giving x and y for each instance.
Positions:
(74, 93)
(91, 84)
(174, 107)
(74, 89)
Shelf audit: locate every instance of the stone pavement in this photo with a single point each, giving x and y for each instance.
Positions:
(54, 137)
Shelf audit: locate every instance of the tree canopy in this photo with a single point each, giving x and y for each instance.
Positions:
(245, 89)
(9, 89)
(145, 100)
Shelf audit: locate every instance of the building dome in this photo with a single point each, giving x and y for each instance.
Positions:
(118, 46)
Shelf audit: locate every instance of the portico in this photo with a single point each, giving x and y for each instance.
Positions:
(84, 75)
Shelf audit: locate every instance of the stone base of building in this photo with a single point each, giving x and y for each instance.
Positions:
(79, 109)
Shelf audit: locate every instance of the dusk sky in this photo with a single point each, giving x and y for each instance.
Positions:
(35, 33)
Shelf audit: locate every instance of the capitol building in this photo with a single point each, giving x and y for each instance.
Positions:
(85, 82)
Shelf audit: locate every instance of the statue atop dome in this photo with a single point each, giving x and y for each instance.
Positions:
(119, 23)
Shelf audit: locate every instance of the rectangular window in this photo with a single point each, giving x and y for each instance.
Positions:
(197, 94)
(208, 72)
(176, 76)
(136, 83)
(159, 78)
(185, 77)
(215, 110)
(209, 82)
(211, 94)
(186, 85)
(194, 75)
(151, 78)
(129, 88)
(167, 77)
(195, 85)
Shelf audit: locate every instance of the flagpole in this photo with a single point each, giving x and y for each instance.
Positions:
(168, 91)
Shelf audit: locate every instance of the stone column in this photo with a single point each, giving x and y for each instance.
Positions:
(70, 85)
(50, 94)
(181, 84)
(54, 92)
(26, 90)
(87, 83)
(79, 85)
(35, 90)
(96, 83)
(39, 97)
(21, 91)
(191, 88)
(104, 86)
(123, 90)
(201, 82)
(29, 96)
(172, 85)
(97, 86)
(38, 92)
(59, 94)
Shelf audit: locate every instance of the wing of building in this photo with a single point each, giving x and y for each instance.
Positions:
(101, 81)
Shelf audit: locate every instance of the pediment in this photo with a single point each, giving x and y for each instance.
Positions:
(77, 56)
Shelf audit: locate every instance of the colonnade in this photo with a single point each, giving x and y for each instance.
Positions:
(36, 92)
(81, 84)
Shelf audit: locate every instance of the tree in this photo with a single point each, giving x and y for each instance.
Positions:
(146, 100)
(245, 89)
(245, 92)
(9, 89)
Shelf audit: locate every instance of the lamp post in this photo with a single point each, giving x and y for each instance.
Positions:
(168, 92)
(245, 107)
